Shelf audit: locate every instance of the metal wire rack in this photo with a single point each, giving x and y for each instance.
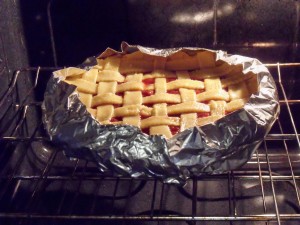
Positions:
(38, 183)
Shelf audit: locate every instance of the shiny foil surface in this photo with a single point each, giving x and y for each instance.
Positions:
(214, 148)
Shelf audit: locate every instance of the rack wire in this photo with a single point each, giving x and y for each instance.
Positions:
(38, 183)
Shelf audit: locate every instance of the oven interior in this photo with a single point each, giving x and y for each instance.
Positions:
(39, 185)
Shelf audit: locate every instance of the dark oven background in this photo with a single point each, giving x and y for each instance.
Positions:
(268, 30)
(39, 185)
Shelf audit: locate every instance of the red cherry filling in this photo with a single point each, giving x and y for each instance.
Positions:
(173, 92)
(205, 102)
(149, 81)
(120, 94)
(115, 119)
(170, 79)
(198, 91)
(203, 114)
(146, 130)
(149, 105)
(146, 93)
(144, 117)
(174, 129)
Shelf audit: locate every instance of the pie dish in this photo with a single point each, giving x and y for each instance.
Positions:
(161, 95)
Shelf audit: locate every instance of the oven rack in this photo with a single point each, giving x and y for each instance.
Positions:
(273, 170)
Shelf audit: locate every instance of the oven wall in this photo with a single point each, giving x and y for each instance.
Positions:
(13, 45)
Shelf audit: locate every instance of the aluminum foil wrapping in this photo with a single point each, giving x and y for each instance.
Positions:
(214, 148)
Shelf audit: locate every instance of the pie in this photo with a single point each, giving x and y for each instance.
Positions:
(161, 95)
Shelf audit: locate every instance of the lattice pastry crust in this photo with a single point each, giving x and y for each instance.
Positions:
(161, 95)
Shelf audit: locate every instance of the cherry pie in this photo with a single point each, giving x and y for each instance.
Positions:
(162, 95)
